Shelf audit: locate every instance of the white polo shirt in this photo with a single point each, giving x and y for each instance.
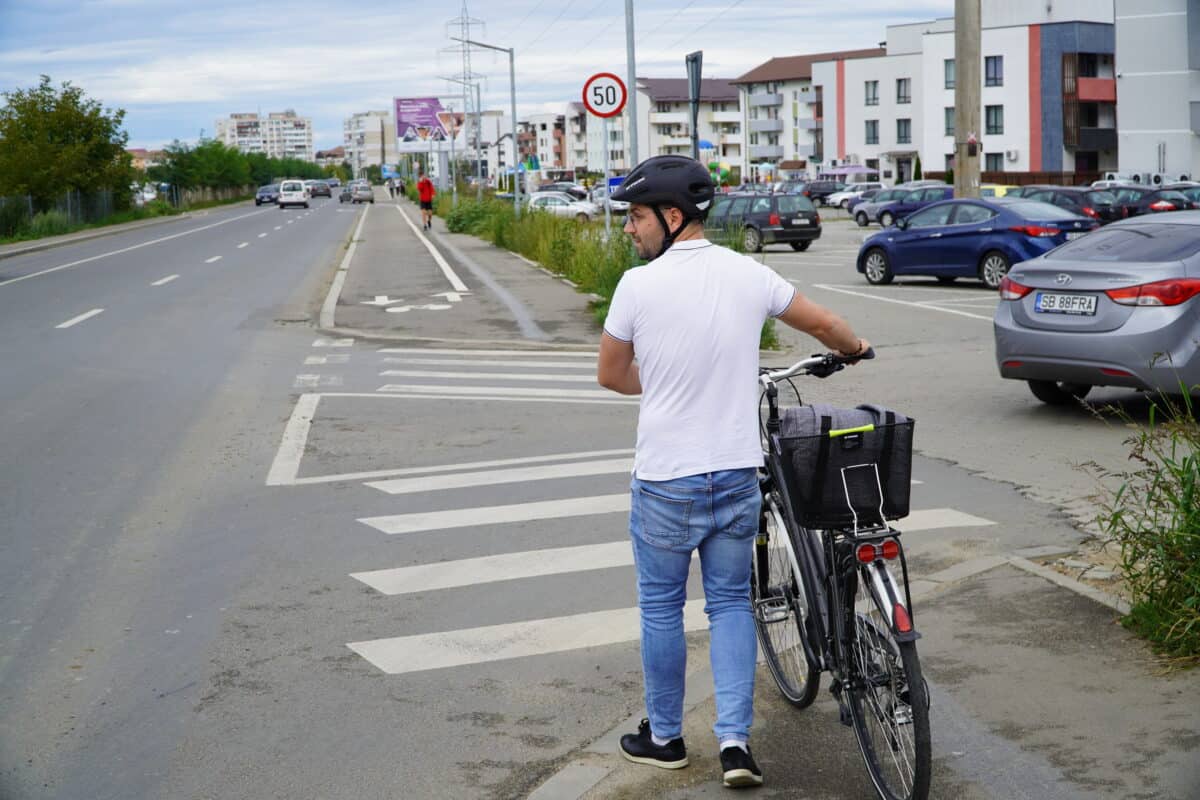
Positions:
(694, 316)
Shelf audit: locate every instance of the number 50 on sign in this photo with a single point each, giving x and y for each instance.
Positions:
(604, 95)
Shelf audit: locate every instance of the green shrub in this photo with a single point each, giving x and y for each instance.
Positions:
(14, 219)
(50, 223)
(1153, 516)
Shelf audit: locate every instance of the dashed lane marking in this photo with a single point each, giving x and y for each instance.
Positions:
(164, 281)
(76, 320)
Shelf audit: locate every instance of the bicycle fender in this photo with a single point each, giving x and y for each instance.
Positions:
(890, 602)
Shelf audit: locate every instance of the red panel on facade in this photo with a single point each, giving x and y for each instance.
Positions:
(1035, 98)
(1097, 90)
(841, 109)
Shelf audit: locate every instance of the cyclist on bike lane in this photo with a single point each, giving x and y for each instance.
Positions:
(692, 317)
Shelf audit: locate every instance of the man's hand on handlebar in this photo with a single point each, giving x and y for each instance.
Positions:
(864, 351)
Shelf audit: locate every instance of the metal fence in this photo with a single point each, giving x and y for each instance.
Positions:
(79, 208)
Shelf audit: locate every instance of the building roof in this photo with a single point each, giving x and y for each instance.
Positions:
(785, 68)
(333, 152)
(675, 90)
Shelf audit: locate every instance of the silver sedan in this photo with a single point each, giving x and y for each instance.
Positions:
(1118, 307)
(562, 204)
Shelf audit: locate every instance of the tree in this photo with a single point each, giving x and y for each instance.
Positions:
(53, 140)
(917, 168)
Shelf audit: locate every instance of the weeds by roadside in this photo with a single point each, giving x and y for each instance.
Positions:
(1151, 512)
(56, 223)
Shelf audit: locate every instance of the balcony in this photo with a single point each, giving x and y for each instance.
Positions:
(670, 117)
(808, 123)
(775, 99)
(1097, 139)
(731, 138)
(676, 141)
(1097, 90)
(725, 116)
(766, 125)
(766, 151)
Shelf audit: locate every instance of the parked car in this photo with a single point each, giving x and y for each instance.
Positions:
(292, 193)
(562, 204)
(334, 182)
(267, 194)
(615, 206)
(362, 193)
(565, 187)
(864, 212)
(911, 201)
(818, 190)
(1148, 200)
(968, 239)
(869, 194)
(346, 193)
(318, 188)
(763, 218)
(842, 199)
(1098, 204)
(1119, 307)
(1112, 184)
(994, 190)
(1190, 190)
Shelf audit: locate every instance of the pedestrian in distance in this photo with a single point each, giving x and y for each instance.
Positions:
(692, 318)
(425, 193)
(391, 185)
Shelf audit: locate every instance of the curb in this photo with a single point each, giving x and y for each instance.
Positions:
(597, 760)
(96, 233)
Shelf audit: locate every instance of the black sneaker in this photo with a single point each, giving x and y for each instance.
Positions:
(739, 768)
(641, 749)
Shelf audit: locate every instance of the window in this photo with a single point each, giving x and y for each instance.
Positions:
(948, 67)
(931, 217)
(761, 205)
(872, 93)
(993, 71)
(903, 90)
(949, 120)
(949, 161)
(993, 162)
(994, 119)
(969, 213)
(904, 131)
(872, 131)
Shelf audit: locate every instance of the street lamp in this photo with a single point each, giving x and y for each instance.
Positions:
(512, 91)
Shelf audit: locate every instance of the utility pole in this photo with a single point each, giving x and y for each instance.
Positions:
(631, 149)
(967, 93)
(512, 93)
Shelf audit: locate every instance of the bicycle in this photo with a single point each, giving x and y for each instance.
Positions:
(824, 597)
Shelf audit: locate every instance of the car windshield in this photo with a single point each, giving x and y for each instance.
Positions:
(1035, 209)
(1147, 242)
(293, 187)
(793, 203)
(1100, 198)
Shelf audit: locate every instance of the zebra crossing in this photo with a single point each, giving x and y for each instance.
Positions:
(567, 491)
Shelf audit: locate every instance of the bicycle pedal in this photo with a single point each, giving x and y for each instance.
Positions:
(772, 612)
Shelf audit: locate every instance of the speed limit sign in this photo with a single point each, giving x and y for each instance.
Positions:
(604, 94)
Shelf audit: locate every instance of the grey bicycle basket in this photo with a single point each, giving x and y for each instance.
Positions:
(846, 467)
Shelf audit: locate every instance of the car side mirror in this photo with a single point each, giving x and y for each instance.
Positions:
(902, 224)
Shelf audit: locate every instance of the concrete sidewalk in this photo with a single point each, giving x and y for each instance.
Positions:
(403, 283)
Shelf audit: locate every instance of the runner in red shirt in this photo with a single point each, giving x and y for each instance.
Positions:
(425, 194)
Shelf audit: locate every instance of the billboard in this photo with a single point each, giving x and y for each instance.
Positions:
(417, 119)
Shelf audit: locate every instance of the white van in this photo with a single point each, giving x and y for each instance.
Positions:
(292, 193)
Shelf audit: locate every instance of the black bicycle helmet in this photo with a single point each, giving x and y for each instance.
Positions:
(675, 181)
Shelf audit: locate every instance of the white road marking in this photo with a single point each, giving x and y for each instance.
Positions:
(286, 465)
(290, 221)
(497, 515)
(510, 391)
(125, 249)
(339, 279)
(332, 358)
(324, 342)
(494, 477)
(513, 640)
(211, 260)
(420, 351)
(396, 391)
(80, 318)
(909, 303)
(314, 381)
(503, 567)
(491, 376)
(243, 244)
(278, 227)
(488, 362)
(262, 235)
(164, 281)
(455, 282)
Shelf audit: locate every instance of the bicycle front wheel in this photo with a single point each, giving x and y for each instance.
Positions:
(889, 703)
(781, 609)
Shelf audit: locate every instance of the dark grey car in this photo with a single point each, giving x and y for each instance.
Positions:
(1117, 307)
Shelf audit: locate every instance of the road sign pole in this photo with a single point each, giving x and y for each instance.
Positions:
(607, 205)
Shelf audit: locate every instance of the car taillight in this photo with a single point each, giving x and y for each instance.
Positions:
(1036, 231)
(1160, 293)
(816, 219)
(773, 219)
(1011, 290)
(1162, 205)
(1091, 212)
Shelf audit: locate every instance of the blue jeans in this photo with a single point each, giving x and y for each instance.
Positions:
(717, 513)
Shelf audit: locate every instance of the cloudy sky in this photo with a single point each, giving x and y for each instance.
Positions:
(175, 67)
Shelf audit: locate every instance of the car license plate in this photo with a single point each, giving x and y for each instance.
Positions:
(800, 221)
(1074, 234)
(1048, 303)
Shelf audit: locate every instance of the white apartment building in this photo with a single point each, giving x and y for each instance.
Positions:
(369, 139)
(665, 119)
(548, 135)
(1048, 102)
(281, 134)
(781, 112)
(596, 144)
(575, 141)
(1158, 88)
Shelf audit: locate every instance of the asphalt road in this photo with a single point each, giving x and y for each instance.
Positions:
(240, 558)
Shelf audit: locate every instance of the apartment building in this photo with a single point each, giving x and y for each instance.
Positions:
(618, 162)
(575, 141)
(665, 118)
(546, 137)
(281, 134)
(1158, 88)
(781, 112)
(141, 158)
(333, 157)
(369, 139)
(1047, 101)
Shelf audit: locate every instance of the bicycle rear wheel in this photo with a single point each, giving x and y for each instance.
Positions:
(780, 610)
(889, 704)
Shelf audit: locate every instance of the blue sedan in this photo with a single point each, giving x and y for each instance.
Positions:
(968, 239)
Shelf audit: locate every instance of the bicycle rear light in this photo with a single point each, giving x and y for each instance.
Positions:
(889, 549)
(865, 553)
(870, 552)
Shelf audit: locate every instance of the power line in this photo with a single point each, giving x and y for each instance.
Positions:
(706, 22)
(645, 36)
(517, 27)
(553, 22)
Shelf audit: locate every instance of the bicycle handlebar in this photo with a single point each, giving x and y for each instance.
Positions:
(820, 365)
